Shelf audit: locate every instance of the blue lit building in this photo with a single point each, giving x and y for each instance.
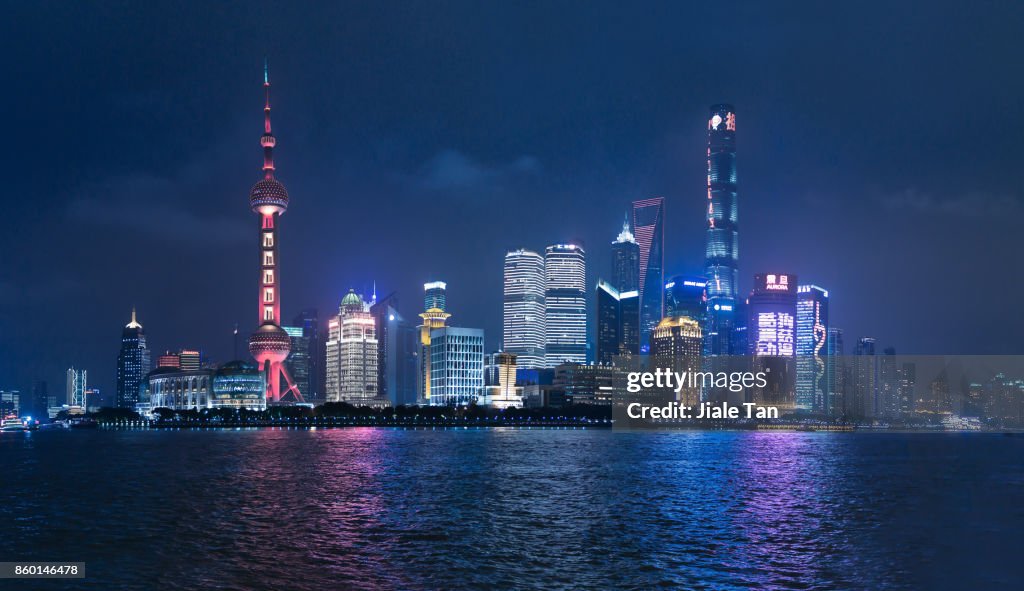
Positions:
(133, 363)
(721, 257)
(686, 295)
(298, 360)
(617, 330)
(625, 261)
(812, 364)
(649, 230)
(238, 384)
(771, 335)
(456, 365)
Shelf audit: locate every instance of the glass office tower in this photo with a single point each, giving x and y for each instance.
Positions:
(649, 230)
(812, 379)
(721, 257)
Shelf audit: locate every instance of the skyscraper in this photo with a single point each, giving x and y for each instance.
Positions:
(352, 370)
(835, 404)
(270, 344)
(678, 344)
(625, 260)
(523, 332)
(686, 295)
(649, 229)
(77, 388)
(772, 339)
(865, 380)
(309, 321)
(434, 316)
(456, 365)
(397, 346)
(721, 255)
(888, 405)
(812, 379)
(133, 363)
(298, 362)
(617, 329)
(565, 304)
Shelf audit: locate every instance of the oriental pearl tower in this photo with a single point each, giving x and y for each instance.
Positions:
(270, 344)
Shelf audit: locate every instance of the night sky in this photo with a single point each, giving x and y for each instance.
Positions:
(879, 156)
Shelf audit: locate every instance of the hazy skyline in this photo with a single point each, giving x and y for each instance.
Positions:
(879, 152)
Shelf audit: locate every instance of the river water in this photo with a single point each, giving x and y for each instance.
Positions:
(514, 508)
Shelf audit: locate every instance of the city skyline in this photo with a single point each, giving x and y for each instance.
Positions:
(441, 173)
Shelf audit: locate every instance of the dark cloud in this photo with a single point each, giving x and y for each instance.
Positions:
(153, 207)
(451, 169)
(971, 205)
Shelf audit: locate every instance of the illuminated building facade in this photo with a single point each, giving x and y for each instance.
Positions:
(649, 231)
(677, 342)
(503, 393)
(190, 359)
(180, 389)
(298, 362)
(434, 317)
(772, 337)
(625, 260)
(836, 371)
(523, 326)
(352, 372)
(77, 388)
(812, 366)
(580, 383)
(456, 365)
(168, 359)
(133, 363)
(686, 295)
(721, 256)
(235, 385)
(238, 385)
(617, 329)
(270, 344)
(565, 304)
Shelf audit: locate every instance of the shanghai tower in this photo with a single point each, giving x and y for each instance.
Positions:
(270, 344)
(722, 251)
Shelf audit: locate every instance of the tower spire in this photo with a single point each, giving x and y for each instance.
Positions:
(134, 323)
(267, 141)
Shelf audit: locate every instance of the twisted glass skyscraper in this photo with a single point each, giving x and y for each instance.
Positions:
(721, 255)
(649, 229)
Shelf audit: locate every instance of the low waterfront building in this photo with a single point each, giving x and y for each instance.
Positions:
(236, 385)
(585, 384)
(505, 393)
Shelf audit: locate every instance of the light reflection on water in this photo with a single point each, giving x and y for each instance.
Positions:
(510, 508)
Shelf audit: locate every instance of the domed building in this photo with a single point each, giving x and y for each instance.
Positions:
(236, 384)
(352, 355)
